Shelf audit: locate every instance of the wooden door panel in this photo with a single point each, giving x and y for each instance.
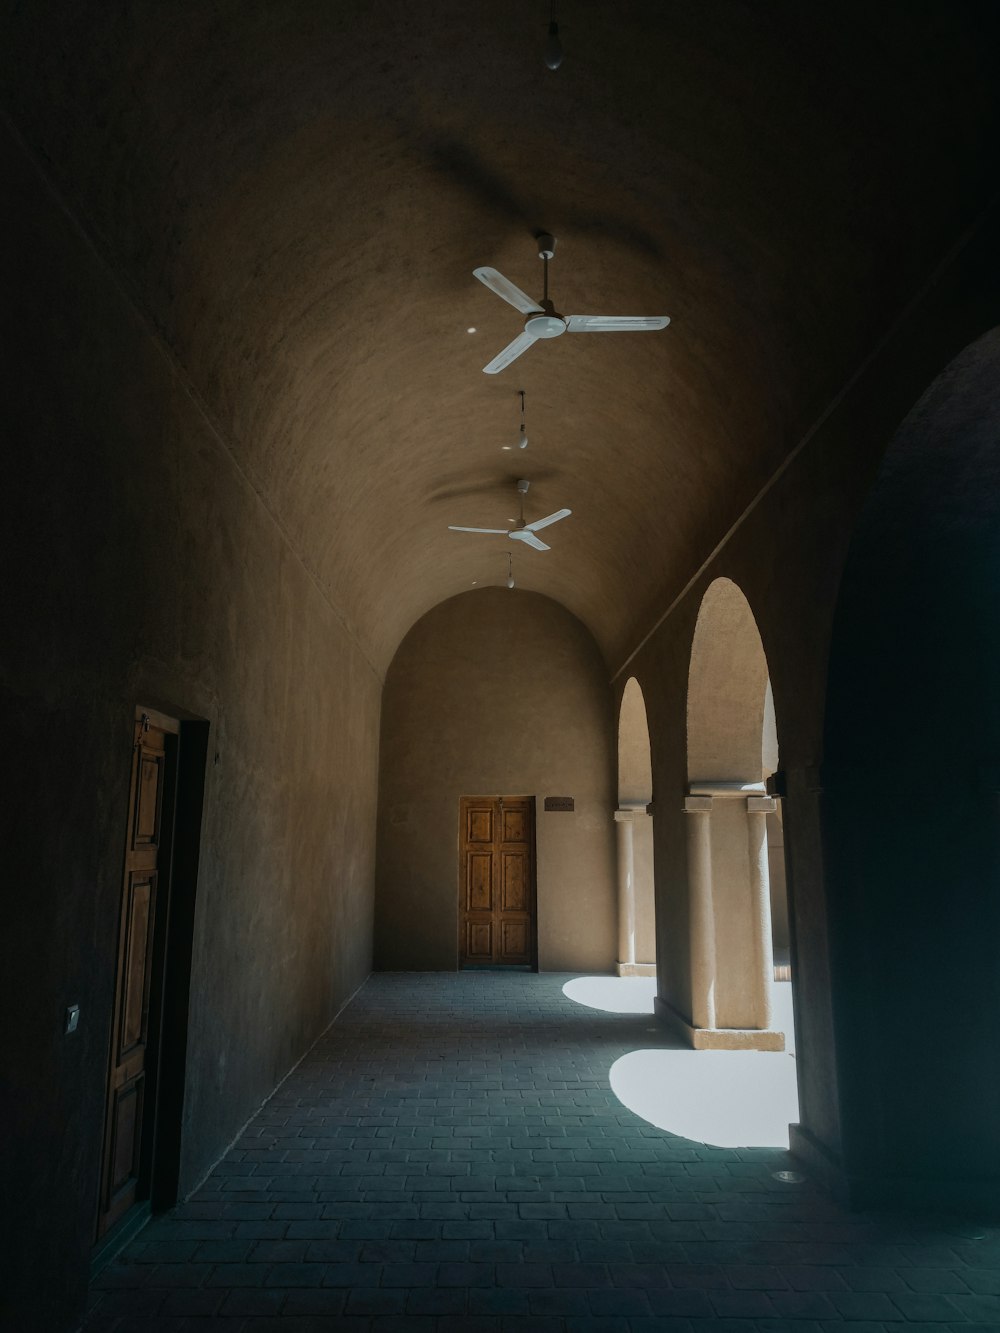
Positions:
(479, 825)
(137, 959)
(479, 941)
(515, 825)
(497, 891)
(127, 1115)
(148, 801)
(514, 883)
(479, 882)
(514, 942)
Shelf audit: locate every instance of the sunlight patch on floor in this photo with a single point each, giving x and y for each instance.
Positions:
(730, 1099)
(615, 995)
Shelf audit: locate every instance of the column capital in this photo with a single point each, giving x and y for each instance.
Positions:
(761, 805)
(624, 816)
(698, 805)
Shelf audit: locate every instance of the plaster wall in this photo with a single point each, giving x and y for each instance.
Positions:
(505, 693)
(153, 574)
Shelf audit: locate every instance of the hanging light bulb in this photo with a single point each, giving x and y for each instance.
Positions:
(522, 438)
(553, 46)
(510, 573)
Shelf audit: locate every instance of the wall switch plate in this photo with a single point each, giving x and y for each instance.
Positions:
(72, 1018)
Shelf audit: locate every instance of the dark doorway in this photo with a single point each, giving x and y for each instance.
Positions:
(141, 1153)
(497, 881)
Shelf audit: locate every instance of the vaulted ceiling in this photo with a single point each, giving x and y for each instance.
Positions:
(297, 193)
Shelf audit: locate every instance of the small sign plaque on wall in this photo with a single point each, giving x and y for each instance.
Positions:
(559, 803)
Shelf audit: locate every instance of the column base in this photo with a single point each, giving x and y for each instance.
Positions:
(636, 969)
(719, 1039)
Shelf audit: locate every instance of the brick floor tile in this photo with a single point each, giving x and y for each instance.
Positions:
(874, 1279)
(791, 1305)
(465, 1275)
(867, 1305)
(741, 1304)
(352, 1275)
(502, 1301)
(926, 1306)
(314, 1301)
(940, 1279)
(558, 1302)
(375, 1301)
(524, 1275)
(252, 1302)
(192, 1302)
(983, 1281)
(980, 1309)
(685, 1304)
(810, 1278)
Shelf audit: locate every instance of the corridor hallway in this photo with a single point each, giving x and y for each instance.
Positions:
(450, 1154)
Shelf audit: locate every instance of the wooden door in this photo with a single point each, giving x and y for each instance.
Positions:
(497, 881)
(129, 1116)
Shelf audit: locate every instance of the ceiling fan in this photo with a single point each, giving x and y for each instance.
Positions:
(522, 532)
(544, 321)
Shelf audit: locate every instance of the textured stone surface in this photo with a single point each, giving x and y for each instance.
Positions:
(451, 1153)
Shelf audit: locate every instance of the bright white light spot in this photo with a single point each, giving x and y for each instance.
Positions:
(471, 330)
(615, 995)
(731, 1099)
(507, 447)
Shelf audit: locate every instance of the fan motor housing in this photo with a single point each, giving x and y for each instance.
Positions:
(546, 325)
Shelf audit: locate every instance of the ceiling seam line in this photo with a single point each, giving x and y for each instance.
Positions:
(911, 305)
(89, 233)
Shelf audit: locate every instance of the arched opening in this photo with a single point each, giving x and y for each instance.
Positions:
(736, 880)
(636, 907)
(910, 778)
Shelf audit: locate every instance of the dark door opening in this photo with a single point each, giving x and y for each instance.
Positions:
(497, 926)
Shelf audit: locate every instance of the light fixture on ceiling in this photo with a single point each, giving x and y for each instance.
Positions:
(522, 438)
(510, 573)
(553, 46)
(471, 329)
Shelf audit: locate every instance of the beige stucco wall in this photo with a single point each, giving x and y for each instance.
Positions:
(496, 692)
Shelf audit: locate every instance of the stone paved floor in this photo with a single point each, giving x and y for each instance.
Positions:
(450, 1157)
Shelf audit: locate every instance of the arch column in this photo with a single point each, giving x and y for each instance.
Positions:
(626, 891)
(758, 809)
(702, 910)
(732, 966)
(630, 944)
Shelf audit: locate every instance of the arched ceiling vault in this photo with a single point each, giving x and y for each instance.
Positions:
(297, 194)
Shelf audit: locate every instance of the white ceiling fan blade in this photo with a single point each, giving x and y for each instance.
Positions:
(502, 532)
(529, 539)
(544, 522)
(505, 289)
(615, 323)
(510, 353)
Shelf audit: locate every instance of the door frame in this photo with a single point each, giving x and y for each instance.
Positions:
(532, 807)
(186, 750)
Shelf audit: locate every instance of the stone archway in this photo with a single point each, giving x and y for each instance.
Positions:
(636, 905)
(732, 748)
(911, 833)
